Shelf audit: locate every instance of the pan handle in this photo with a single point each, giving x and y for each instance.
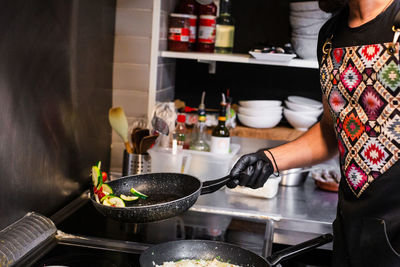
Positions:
(299, 249)
(213, 185)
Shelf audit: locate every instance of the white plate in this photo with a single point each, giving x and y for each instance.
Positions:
(272, 56)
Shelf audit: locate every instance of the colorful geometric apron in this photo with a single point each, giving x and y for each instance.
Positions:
(362, 86)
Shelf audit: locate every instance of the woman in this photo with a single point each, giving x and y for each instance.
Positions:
(358, 52)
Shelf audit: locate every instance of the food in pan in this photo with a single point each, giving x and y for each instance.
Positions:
(197, 263)
(104, 194)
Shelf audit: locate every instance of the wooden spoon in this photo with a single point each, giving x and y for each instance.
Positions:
(146, 143)
(138, 136)
(119, 123)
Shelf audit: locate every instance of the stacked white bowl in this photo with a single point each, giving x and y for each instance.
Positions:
(306, 20)
(302, 112)
(260, 113)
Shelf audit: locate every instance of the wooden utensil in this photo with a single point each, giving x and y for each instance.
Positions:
(133, 138)
(119, 123)
(138, 136)
(146, 143)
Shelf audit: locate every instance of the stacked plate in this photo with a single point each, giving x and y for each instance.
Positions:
(306, 20)
(302, 112)
(260, 113)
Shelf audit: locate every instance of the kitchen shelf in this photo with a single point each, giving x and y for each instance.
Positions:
(281, 133)
(238, 58)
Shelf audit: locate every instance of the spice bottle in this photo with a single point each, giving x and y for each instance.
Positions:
(189, 7)
(207, 22)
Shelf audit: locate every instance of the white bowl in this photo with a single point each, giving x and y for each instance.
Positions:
(260, 122)
(260, 111)
(260, 103)
(309, 113)
(300, 122)
(305, 48)
(312, 14)
(301, 100)
(299, 22)
(301, 107)
(304, 6)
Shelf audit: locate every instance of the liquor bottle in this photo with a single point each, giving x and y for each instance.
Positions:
(220, 138)
(199, 142)
(225, 29)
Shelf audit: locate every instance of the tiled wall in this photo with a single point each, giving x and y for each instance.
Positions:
(132, 57)
(133, 26)
(166, 67)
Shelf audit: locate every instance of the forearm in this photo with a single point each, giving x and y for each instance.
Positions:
(316, 145)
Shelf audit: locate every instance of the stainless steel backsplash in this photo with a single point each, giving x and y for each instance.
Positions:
(55, 92)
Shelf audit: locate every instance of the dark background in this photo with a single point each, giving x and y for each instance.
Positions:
(257, 22)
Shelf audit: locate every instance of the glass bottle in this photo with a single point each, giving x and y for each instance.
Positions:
(225, 29)
(199, 142)
(180, 131)
(220, 138)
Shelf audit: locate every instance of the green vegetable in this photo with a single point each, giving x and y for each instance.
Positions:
(139, 194)
(129, 198)
(114, 201)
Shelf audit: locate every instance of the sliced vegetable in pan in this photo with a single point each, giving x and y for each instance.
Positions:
(104, 194)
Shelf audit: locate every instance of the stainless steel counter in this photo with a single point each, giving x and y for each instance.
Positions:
(299, 213)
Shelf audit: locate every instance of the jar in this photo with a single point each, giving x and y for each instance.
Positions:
(189, 7)
(206, 39)
(179, 32)
(207, 23)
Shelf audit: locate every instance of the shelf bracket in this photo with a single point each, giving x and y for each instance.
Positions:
(212, 65)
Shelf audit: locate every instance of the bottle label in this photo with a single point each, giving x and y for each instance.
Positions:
(179, 34)
(225, 36)
(193, 27)
(220, 145)
(207, 29)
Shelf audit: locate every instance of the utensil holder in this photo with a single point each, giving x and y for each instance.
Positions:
(136, 164)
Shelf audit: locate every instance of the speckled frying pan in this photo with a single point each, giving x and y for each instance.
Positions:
(169, 194)
(209, 250)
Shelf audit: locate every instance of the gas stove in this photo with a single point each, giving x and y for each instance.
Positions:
(83, 237)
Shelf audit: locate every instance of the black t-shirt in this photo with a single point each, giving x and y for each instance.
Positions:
(382, 198)
(378, 30)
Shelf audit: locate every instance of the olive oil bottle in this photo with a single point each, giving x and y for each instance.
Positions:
(199, 142)
(220, 138)
(225, 29)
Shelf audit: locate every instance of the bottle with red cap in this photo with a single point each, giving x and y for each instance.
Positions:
(180, 131)
(207, 24)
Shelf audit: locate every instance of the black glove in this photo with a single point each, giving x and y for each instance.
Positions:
(252, 170)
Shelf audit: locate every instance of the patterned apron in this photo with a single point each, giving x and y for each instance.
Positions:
(362, 86)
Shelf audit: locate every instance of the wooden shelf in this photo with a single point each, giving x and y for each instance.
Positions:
(238, 58)
(281, 133)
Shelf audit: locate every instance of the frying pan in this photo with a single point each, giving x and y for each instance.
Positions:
(209, 250)
(170, 194)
